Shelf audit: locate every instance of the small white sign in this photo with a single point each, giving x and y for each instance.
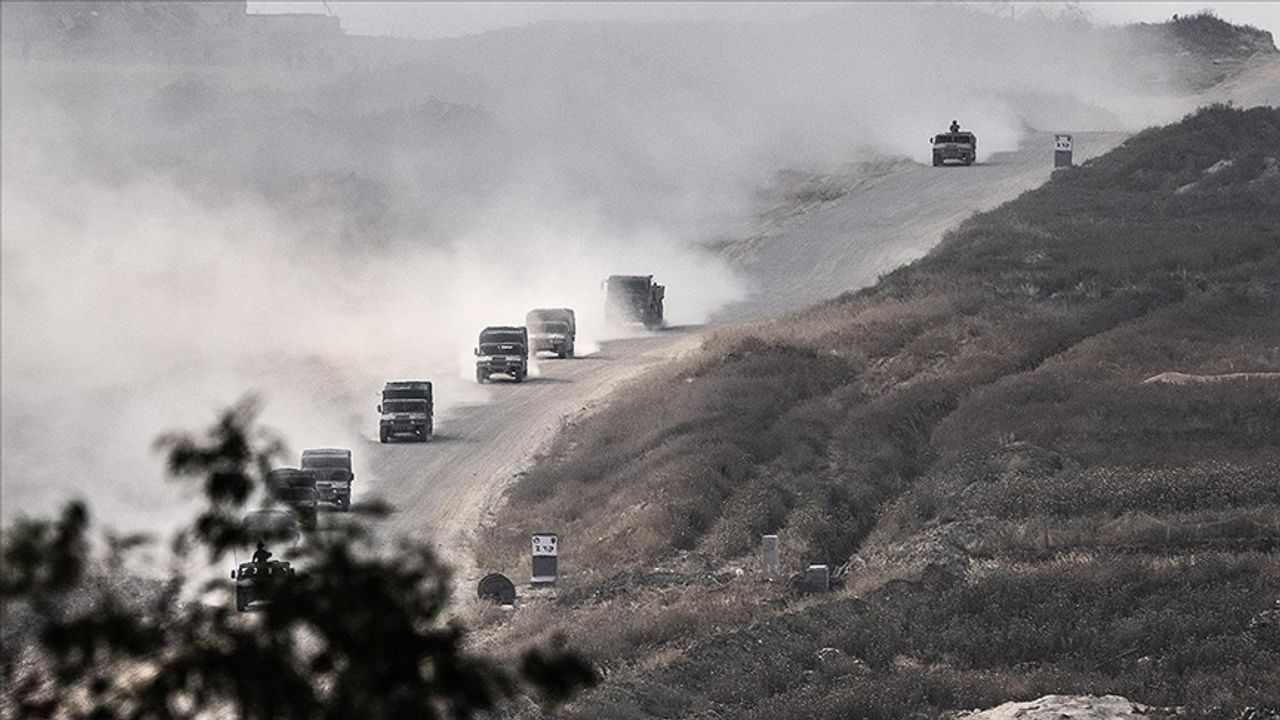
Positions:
(545, 545)
(1062, 143)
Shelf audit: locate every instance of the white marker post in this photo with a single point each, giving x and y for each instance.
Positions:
(1062, 151)
(769, 547)
(546, 551)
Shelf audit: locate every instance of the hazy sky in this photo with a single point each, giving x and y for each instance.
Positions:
(452, 19)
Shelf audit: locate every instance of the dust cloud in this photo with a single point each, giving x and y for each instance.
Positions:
(178, 234)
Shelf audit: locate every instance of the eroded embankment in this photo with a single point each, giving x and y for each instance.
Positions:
(971, 441)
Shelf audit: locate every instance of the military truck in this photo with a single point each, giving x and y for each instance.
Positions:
(256, 582)
(296, 489)
(406, 410)
(961, 146)
(552, 330)
(273, 526)
(634, 299)
(503, 350)
(334, 476)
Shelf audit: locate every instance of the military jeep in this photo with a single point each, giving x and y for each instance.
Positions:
(959, 146)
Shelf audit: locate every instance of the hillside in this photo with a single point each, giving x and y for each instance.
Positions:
(986, 445)
(1197, 51)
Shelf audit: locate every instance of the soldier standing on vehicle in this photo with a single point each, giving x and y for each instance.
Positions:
(955, 126)
(262, 554)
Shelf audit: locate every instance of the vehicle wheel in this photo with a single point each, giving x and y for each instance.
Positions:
(383, 437)
(569, 352)
(561, 353)
(481, 376)
(936, 162)
(344, 504)
(519, 376)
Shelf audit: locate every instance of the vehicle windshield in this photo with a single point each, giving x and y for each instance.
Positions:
(406, 393)
(964, 139)
(302, 494)
(404, 406)
(326, 461)
(505, 338)
(551, 327)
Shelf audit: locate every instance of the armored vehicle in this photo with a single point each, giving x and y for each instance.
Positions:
(256, 582)
(296, 489)
(961, 146)
(503, 350)
(634, 298)
(405, 411)
(332, 467)
(552, 330)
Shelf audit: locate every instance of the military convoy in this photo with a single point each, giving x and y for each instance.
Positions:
(502, 350)
(406, 410)
(552, 330)
(324, 478)
(634, 299)
(959, 145)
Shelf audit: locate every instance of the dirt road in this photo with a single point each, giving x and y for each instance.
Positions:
(443, 489)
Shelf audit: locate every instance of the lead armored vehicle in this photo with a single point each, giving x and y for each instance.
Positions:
(961, 146)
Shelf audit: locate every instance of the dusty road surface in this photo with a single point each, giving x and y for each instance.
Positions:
(444, 490)
(883, 220)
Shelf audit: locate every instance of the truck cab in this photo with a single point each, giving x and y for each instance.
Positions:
(961, 146)
(502, 350)
(334, 476)
(552, 330)
(295, 488)
(406, 411)
(634, 299)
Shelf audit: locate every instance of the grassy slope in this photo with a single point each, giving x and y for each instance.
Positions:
(1020, 514)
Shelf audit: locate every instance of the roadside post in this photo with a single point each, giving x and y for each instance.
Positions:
(769, 549)
(1062, 151)
(546, 551)
(817, 578)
